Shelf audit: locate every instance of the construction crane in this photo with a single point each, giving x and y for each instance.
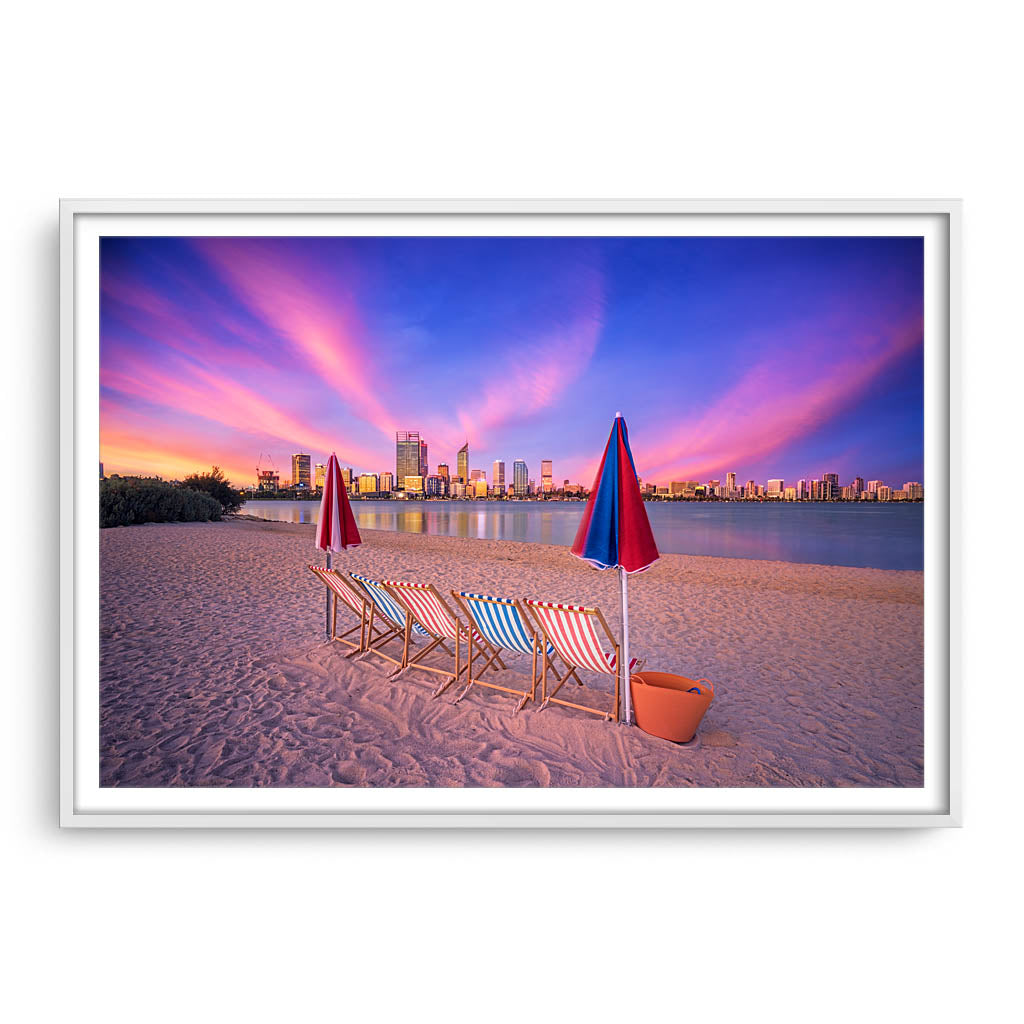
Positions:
(259, 466)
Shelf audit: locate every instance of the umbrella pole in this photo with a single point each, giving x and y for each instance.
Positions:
(627, 704)
(327, 618)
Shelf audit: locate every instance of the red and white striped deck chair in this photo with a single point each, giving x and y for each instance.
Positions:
(578, 634)
(340, 588)
(428, 608)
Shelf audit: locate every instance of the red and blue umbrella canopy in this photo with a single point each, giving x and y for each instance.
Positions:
(615, 532)
(336, 527)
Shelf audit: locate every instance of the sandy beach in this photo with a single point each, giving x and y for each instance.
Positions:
(214, 671)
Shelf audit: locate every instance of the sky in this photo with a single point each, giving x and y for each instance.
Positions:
(769, 357)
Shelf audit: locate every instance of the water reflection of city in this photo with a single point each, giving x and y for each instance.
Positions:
(473, 523)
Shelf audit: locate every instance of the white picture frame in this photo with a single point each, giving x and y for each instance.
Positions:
(84, 805)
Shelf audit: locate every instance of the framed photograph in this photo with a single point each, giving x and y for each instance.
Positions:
(509, 514)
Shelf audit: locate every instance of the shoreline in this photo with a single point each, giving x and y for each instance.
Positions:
(214, 670)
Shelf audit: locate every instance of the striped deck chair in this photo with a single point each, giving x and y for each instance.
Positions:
(340, 588)
(505, 626)
(394, 623)
(575, 633)
(427, 607)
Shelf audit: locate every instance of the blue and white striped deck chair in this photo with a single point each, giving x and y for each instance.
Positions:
(391, 617)
(504, 624)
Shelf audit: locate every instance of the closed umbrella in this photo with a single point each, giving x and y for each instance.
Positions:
(336, 527)
(615, 532)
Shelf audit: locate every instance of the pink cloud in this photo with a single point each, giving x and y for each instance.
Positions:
(532, 374)
(322, 322)
(775, 402)
(197, 392)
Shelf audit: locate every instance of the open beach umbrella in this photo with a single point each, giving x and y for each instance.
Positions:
(336, 526)
(615, 532)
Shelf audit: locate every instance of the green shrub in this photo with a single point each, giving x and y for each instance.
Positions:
(132, 499)
(216, 485)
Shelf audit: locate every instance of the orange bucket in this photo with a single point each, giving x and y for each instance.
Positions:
(669, 706)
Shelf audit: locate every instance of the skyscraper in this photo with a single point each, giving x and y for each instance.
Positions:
(498, 475)
(300, 470)
(545, 476)
(775, 488)
(407, 455)
(423, 458)
(730, 485)
(462, 463)
(320, 476)
(386, 483)
(346, 478)
(520, 478)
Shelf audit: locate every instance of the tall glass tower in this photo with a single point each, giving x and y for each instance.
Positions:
(463, 463)
(520, 478)
(407, 456)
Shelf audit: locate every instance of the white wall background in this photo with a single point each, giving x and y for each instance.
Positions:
(532, 100)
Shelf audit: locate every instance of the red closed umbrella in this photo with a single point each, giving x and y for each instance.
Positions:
(336, 527)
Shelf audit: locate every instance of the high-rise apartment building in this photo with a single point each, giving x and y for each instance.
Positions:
(319, 476)
(873, 486)
(368, 483)
(750, 489)
(884, 493)
(915, 491)
(386, 483)
(520, 478)
(462, 463)
(545, 476)
(858, 484)
(300, 470)
(775, 488)
(801, 490)
(407, 455)
(498, 475)
(730, 485)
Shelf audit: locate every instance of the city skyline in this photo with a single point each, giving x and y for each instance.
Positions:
(827, 487)
(760, 357)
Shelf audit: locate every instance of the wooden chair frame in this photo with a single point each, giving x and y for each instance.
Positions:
(389, 632)
(550, 698)
(526, 695)
(364, 626)
(437, 640)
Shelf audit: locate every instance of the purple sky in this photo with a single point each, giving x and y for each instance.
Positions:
(768, 357)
